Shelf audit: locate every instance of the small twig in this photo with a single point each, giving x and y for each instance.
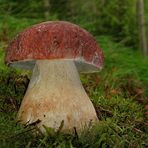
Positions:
(107, 111)
(138, 130)
(13, 103)
(60, 127)
(34, 123)
(76, 133)
(13, 136)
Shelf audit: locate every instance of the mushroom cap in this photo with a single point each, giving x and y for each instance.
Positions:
(55, 40)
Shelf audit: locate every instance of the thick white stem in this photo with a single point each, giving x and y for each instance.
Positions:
(55, 94)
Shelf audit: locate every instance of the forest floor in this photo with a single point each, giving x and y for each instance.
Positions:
(119, 93)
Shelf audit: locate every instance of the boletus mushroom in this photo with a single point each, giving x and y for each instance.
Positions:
(56, 51)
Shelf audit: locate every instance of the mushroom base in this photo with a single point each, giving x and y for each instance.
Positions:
(55, 95)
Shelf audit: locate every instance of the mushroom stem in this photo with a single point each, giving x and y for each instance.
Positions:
(55, 94)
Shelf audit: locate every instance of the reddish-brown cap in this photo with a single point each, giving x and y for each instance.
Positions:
(55, 40)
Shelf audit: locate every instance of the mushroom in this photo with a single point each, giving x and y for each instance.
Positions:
(56, 51)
